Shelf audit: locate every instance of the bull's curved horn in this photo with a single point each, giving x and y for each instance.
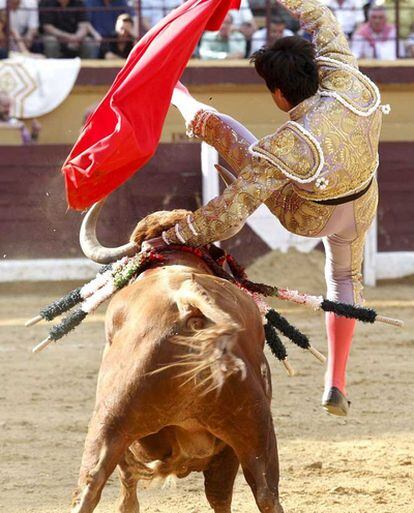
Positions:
(226, 175)
(90, 244)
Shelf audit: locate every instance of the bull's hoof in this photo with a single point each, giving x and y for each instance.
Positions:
(335, 403)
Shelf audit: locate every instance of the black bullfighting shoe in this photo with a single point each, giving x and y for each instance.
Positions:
(335, 403)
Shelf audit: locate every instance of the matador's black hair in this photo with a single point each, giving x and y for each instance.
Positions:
(289, 65)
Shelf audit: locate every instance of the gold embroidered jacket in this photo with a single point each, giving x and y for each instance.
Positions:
(328, 148)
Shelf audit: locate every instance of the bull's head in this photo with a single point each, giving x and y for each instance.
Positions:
(149, 227)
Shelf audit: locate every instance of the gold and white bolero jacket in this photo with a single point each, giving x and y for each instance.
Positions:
(328, 149)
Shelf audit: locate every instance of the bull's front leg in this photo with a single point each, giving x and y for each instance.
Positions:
(128, 500)
(260, 462)
(104, 448)
(251, 434)
(219, 480)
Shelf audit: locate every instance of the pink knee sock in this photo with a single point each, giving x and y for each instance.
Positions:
(340, 331)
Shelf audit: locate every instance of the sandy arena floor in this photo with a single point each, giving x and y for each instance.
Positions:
(362, 464)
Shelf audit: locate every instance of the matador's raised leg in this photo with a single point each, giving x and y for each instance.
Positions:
(229, 137)
(344, 256)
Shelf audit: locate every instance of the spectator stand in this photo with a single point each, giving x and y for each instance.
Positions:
(254, 14)
(72, 26)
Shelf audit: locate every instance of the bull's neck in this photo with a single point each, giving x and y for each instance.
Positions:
(185, 259)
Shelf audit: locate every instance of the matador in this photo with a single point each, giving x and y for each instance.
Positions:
(316, 173)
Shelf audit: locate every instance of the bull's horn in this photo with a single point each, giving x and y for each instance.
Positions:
(90, 244)
(226, 175)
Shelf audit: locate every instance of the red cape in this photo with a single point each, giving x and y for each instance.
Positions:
(123, 132)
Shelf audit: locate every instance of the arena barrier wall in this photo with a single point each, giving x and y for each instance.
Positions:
(39, 236)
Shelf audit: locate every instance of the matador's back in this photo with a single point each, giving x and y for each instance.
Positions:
(329, 147)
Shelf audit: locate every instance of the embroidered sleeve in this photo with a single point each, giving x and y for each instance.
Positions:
(328, 37)
(225, 215)
(293, 150)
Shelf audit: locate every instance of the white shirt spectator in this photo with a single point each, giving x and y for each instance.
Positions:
(21, 19)
(213, 46)
(376, 39)
(242, 15)
(410, 46)
(349, 13)
(226, 43)
(259, 38)
(382, 50)
(155, 10)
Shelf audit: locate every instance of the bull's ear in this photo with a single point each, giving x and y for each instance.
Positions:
(195, 320)
(226, 175)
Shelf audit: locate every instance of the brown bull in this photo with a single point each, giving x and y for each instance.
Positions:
(183, 386)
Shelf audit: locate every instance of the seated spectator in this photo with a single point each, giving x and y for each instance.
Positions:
(5, 106)
(66, 31)
(122, 40)
(292, 23)
(24, 25)
(28, 137)
(277, 30)
(3, 40)
(259, 8)
(410, 44)
(244, 22)
(366, 6)
(154, 10)
(349, 14)
(223, 44)
(376, 38)
(242, 15)
(248, 30)
(406, 8)
(104, 21)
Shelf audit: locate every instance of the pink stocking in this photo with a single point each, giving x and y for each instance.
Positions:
(340, 331)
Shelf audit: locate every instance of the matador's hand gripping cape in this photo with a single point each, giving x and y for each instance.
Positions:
(124, 131)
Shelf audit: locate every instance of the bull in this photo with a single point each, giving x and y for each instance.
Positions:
(184, 385)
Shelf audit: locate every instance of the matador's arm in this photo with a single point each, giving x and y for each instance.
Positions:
(225, 215)
(292, 154)
(328, 37)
